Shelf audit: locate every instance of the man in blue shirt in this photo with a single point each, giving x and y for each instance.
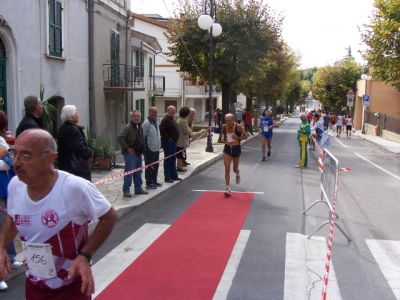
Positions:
(151, 134)
(266, 125)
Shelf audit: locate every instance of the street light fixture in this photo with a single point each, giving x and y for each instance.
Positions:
(206, 22)
(365, 77)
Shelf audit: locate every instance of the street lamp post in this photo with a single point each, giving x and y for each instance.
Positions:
(206, 22)
(366, 78)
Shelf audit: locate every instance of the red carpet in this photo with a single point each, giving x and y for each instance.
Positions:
(188, 260)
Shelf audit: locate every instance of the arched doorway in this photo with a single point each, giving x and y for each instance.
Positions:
(3, 83)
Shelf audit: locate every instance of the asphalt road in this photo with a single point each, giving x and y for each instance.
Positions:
(367, 204)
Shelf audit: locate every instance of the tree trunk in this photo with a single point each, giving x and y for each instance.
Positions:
(249, 102)
(226, 98)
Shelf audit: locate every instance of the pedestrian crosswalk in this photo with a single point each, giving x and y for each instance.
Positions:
(304, 268)
(387, 255)
(304, 263)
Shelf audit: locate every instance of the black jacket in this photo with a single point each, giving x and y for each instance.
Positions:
(131, 136)
(71, 139)
(29, 121)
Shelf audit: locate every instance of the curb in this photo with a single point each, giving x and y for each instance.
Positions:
(380, 146)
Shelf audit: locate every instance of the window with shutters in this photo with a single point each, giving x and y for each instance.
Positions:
(56, 17)
(140, 107)
(140, 62)
(115, 71)
(150, 67)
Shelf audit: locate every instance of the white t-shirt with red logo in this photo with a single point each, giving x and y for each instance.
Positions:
(59, 219)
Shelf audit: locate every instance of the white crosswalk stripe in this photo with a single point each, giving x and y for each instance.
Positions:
(232, 266)
(304, 263)
(111, 265)
(115, 262)
(387, 255)
(304, 268)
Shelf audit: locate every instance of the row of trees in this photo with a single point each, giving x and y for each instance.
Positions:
(251, 56)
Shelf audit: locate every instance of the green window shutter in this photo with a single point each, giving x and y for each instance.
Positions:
(139, 106)
(115, 71)
(150, 67)
(55, 28)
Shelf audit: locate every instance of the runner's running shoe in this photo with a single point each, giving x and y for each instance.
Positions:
(237, 178)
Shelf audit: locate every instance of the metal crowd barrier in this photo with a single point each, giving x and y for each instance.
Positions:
(329, 185)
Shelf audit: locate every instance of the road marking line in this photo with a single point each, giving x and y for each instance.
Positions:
(114, 263)
(341, 143)
(238, 192)
(233, 264)
(305, 268)
(387, 254)
(376, 166)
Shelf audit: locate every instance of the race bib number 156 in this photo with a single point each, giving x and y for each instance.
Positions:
(39, 259)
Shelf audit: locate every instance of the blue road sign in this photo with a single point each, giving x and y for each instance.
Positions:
(365, 100)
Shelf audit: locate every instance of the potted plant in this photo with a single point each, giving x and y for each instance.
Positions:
(102, 153)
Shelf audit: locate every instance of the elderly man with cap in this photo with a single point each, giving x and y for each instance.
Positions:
(302, 136)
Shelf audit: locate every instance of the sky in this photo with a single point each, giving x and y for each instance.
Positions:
(320, 31)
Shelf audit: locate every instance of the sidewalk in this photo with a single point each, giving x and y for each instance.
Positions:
(387, 145)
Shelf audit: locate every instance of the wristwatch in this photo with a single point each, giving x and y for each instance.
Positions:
(86, 255)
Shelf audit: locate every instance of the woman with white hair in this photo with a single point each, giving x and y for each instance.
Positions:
(73, 151)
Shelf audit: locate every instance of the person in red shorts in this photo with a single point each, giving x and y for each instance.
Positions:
(50, 209)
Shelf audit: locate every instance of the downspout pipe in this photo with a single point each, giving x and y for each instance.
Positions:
(92, 102)
(127, 40)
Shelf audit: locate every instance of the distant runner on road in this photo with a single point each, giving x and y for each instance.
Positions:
(266, 125)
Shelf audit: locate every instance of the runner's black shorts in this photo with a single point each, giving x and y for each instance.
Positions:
(234, 150)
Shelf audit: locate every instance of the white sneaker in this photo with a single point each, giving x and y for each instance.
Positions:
(3, 286)
(16, 264)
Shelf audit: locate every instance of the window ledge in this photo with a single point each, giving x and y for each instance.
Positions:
(55, 57)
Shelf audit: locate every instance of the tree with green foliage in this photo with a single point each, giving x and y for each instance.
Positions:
(249, 31)
(382, 37)
(273, 76)
(306, 81)
(331, 83)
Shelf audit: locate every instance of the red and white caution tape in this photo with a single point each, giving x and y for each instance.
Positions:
(123, 174)
(320, 156)
(330, 239)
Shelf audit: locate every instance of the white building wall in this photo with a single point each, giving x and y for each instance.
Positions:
(28, 66)
(173, 80)
(110, 111)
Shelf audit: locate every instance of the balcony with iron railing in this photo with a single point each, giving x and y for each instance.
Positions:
(157, 85)
(119, 77)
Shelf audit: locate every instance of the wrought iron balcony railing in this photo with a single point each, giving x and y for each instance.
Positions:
(114, 76)
(157, 84)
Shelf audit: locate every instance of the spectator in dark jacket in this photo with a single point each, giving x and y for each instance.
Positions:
(73, 151)
(33, 112)
(169, 136)
(132, 144)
